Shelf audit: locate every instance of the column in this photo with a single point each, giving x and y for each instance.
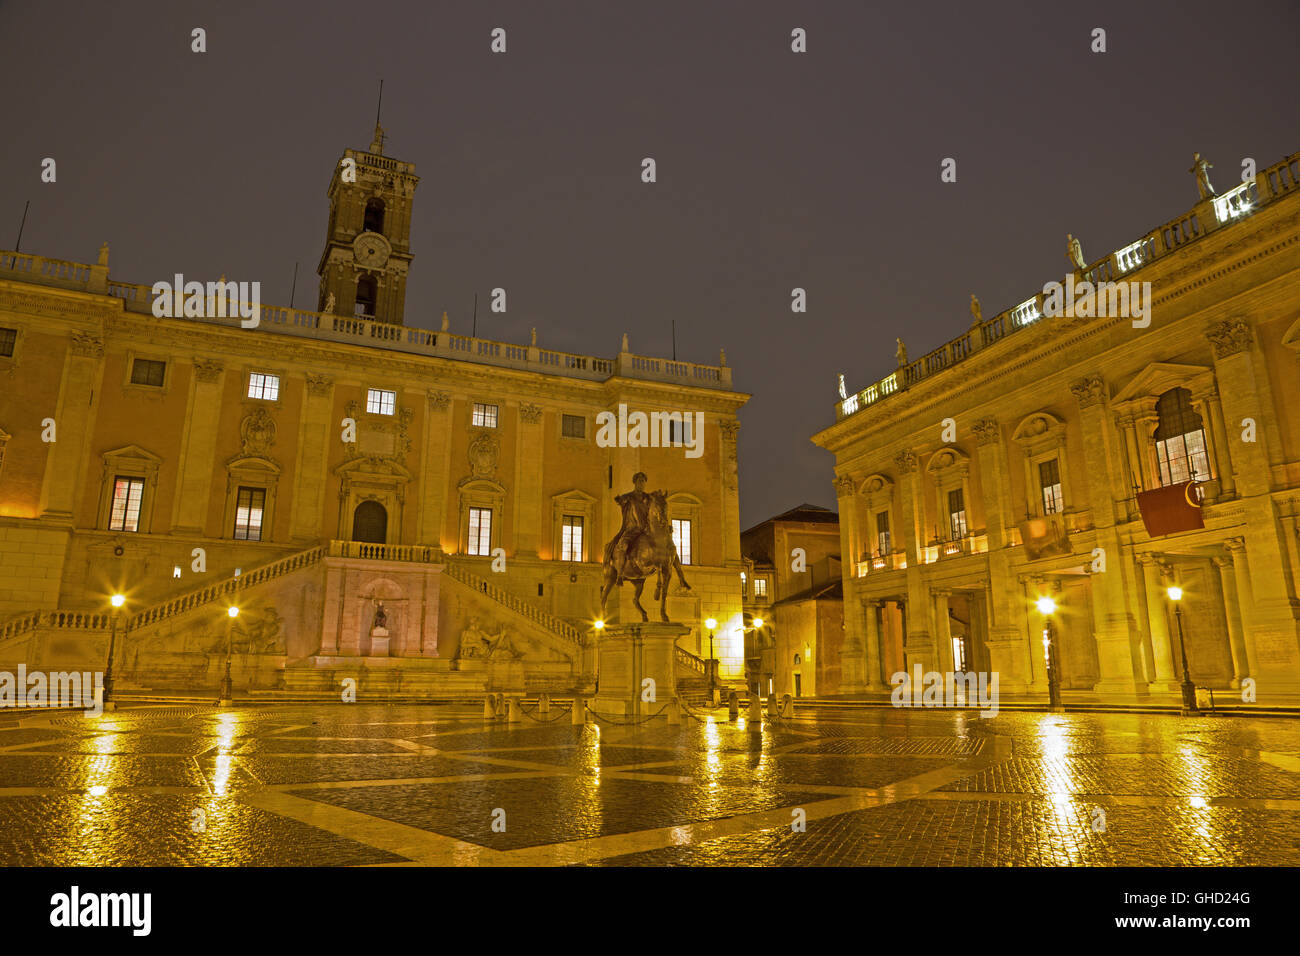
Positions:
(1219, 435)
(918, 642)
(74, 420)
(871, 611)
(943, 632)
(1119, 644)
(1245, 600)
(311, 464)
(199, 452)
(1232, 611)
(728, 468)
(1161, 648)
(1244, 389)
(529, 533)
(855, 676)
(433, 470)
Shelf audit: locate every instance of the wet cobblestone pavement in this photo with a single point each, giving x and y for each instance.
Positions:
(301, 785)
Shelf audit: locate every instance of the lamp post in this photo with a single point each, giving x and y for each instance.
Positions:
(227, 689)
(1189, 689)
(712, 625)
(1047, 607)
(118, 601)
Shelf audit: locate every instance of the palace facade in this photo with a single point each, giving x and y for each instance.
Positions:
(424, 507)
(1098, 462)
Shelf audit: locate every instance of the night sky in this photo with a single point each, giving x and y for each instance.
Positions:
(776, 169)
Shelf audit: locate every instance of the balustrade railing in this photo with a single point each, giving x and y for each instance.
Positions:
(1238, 202)
(515, 603)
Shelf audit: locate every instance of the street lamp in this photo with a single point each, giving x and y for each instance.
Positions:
(1189, 689)
(1047, 607)
(227, 689)
(712, 624)
(118, 601)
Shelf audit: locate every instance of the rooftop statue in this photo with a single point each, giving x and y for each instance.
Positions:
(1074, 252)
(901, 353)
(976, 312)
(1201, 170)
(643, 547)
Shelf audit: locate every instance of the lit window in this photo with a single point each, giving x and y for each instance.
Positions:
(1180, 439)
(573, 426)
(571, 539)
(682, 539)
(956, 515)
(744, 586)
(760, 587)
(148, 372)
(249, 508)
(127, 495)
(263, 386)
(882, 533)
(1049, 480)
(485, 416)
(8, 337)
(380, 401)
(480, 531)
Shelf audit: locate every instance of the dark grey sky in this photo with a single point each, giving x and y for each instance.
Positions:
(775, 169)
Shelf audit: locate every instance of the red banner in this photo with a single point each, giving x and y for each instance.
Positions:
(1043, 537)
(1171, 509)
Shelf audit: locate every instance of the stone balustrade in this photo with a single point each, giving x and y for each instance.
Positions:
(384, 335)
(1270, 184)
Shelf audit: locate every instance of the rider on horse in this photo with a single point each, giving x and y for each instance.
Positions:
(636, 519)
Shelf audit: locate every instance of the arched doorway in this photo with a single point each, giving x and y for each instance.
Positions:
(370, 523)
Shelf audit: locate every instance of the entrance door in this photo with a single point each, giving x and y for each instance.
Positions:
(798, 685)
(370, 523)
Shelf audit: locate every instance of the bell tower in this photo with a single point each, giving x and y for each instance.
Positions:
(368, 246)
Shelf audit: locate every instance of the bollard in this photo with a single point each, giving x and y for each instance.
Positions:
(717, 697)
(787, 706)
(772, 705)
(755, 708)
(489, 710)
(674, 711)
(514, 713)
(543, 704)
(579, 710)
(733, 705)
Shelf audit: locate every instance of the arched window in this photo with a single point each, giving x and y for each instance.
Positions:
(1180, 439)
(367, 292)
(374, 221)
(370, 523)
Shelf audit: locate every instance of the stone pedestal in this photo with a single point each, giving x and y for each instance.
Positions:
(379, 642)
(505, 675)
(626, 656)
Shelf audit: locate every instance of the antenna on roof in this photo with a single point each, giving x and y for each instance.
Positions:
(377, 146)
(380, 105)
(674, 340)
(474, 333)
(293, 288)
(20, 227)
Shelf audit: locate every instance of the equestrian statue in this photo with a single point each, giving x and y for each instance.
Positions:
(643, 546)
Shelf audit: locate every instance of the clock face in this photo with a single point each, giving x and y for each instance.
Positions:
(371, 250)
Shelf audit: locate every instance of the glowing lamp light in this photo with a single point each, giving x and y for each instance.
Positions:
(711, 623)
(117, 600)
(758, 622)
(1175, 593)
(1046, 605)
(599, 625)
(233, 611)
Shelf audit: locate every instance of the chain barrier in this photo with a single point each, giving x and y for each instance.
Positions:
(627, 723)
(563, 711)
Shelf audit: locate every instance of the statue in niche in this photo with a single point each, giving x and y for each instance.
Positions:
(381, 617)
(1201, 170)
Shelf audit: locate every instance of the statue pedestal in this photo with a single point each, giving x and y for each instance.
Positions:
(505, 675)
(628, 654)
(379, 642)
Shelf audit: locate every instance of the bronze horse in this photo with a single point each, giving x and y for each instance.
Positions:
(651, 552)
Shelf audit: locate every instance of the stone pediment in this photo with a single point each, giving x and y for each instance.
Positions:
(1291, 337)
(372, 466)
(1159, 377)
(948, 458)
(128, 452)
(876, 485)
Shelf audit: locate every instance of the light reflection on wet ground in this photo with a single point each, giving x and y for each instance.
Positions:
(369, 784)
